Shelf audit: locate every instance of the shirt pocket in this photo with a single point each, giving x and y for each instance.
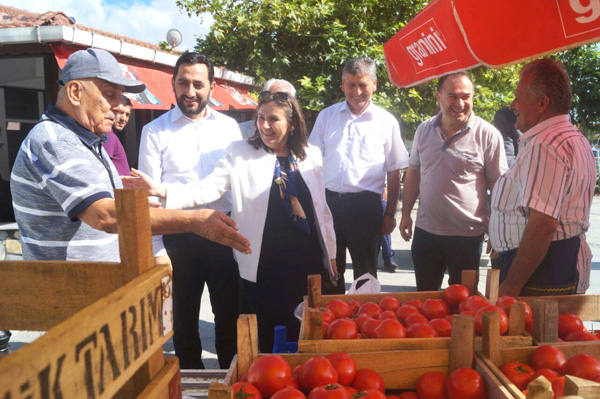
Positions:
(464, 164)
(370, 147)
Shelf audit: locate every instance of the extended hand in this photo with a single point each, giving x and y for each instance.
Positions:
(406, 228)
(220, 228)
(511, 290)
(140, 180)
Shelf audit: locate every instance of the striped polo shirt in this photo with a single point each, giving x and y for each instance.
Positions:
(59, 171)
(554, 173)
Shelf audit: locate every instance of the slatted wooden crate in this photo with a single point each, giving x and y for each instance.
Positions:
(106, 322)
(311, 334)
(399, 369)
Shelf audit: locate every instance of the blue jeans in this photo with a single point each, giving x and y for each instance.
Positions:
(432, 253)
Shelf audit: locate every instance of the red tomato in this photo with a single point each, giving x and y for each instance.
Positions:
(432, 385)
(502, 318)
(408, 395)
(329, 391)
(351, 391)
(550, 375)
(269, 373)
(324, 328)
(389, 303)
(581, 336)
(548, 357)
(317, 371)
(421, 331)
(442, 326)
(568, 323)
(370, 394)
(354, 306)
(518, 373)
(505, 303)
(328, 315)
(245, 390)
(339, 308)
(583, 366)
(472, 303)
(294, 383)
(455, 294)
(434, 309)
(406, 310)
(289, 393)
(370, 308)
(297, 372)
(529, 326)
(389, 329)
(345, 366)
(558, 387)
(415, 319)
(342, 329)
(387, 314)
(368, 379)
(465, 383)
(413, 302)
(369, 326)
(361, 319)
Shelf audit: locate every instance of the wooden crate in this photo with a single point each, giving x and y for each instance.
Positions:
(311, 335)
(106, 322)
(492, 357)
(399, 369)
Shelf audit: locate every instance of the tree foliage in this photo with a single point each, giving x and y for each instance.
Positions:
(308, 41)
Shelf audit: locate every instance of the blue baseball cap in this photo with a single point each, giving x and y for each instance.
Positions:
(96, 63)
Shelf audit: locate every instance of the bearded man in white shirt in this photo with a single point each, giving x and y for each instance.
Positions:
(183, 146)
(361, 146)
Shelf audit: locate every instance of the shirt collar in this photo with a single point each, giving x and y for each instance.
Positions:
(345, 108)
(87, 137)
(176, 114)
(468, 126)
(540, 127)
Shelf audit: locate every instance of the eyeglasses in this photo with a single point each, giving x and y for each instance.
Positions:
(273, 95)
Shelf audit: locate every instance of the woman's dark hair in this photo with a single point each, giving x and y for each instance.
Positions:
(297, 141)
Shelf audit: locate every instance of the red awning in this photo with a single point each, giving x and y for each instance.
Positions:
(226, 97)
(453, 35)
(159, 91)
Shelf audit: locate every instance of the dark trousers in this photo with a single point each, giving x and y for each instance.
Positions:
(357, 224)
(387, 253)
(197, 261)
(557, 273)
(432, 253)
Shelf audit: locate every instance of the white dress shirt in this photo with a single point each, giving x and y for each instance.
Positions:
(358, 151)
(177, 149)
(248, 173)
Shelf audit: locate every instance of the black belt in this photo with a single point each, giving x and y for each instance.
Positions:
(347, 196)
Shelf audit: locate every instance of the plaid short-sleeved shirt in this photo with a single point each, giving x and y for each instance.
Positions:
(59, 171)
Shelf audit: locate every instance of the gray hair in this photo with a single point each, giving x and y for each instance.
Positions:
(361, 66)
(290, 87)
(548, 77)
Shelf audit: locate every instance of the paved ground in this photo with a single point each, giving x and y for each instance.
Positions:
(402, 280)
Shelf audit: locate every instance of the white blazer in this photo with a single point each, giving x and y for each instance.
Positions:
(248, 173)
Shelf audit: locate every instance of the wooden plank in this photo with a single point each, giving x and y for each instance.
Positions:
(93, 353)
(568, 348)
(219, 390)
(314, 290)
(581, 387)
(135, 233)
(247, 342)
(490, 326)
(516, 319)
(37, 296)
(545, 321)
(313, 324)
(470, 280)
(587, 307)
(166, 384)
(491, 285)
(504, 381)
(462, 344)
(493, 386)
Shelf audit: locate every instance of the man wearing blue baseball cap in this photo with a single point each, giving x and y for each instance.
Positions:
(63, 181)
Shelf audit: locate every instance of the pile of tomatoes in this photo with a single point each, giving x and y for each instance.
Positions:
(411, 319)
(571, 329)
(336, 376)
(552, 363)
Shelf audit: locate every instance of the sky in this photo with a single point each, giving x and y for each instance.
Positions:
(146, 20)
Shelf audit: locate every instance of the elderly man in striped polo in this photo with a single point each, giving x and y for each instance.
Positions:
(541, 206)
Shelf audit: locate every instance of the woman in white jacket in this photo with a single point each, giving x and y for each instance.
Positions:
(279, 206)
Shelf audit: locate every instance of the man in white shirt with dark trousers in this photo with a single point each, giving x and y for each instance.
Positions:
(183, 146)
(361, 146)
